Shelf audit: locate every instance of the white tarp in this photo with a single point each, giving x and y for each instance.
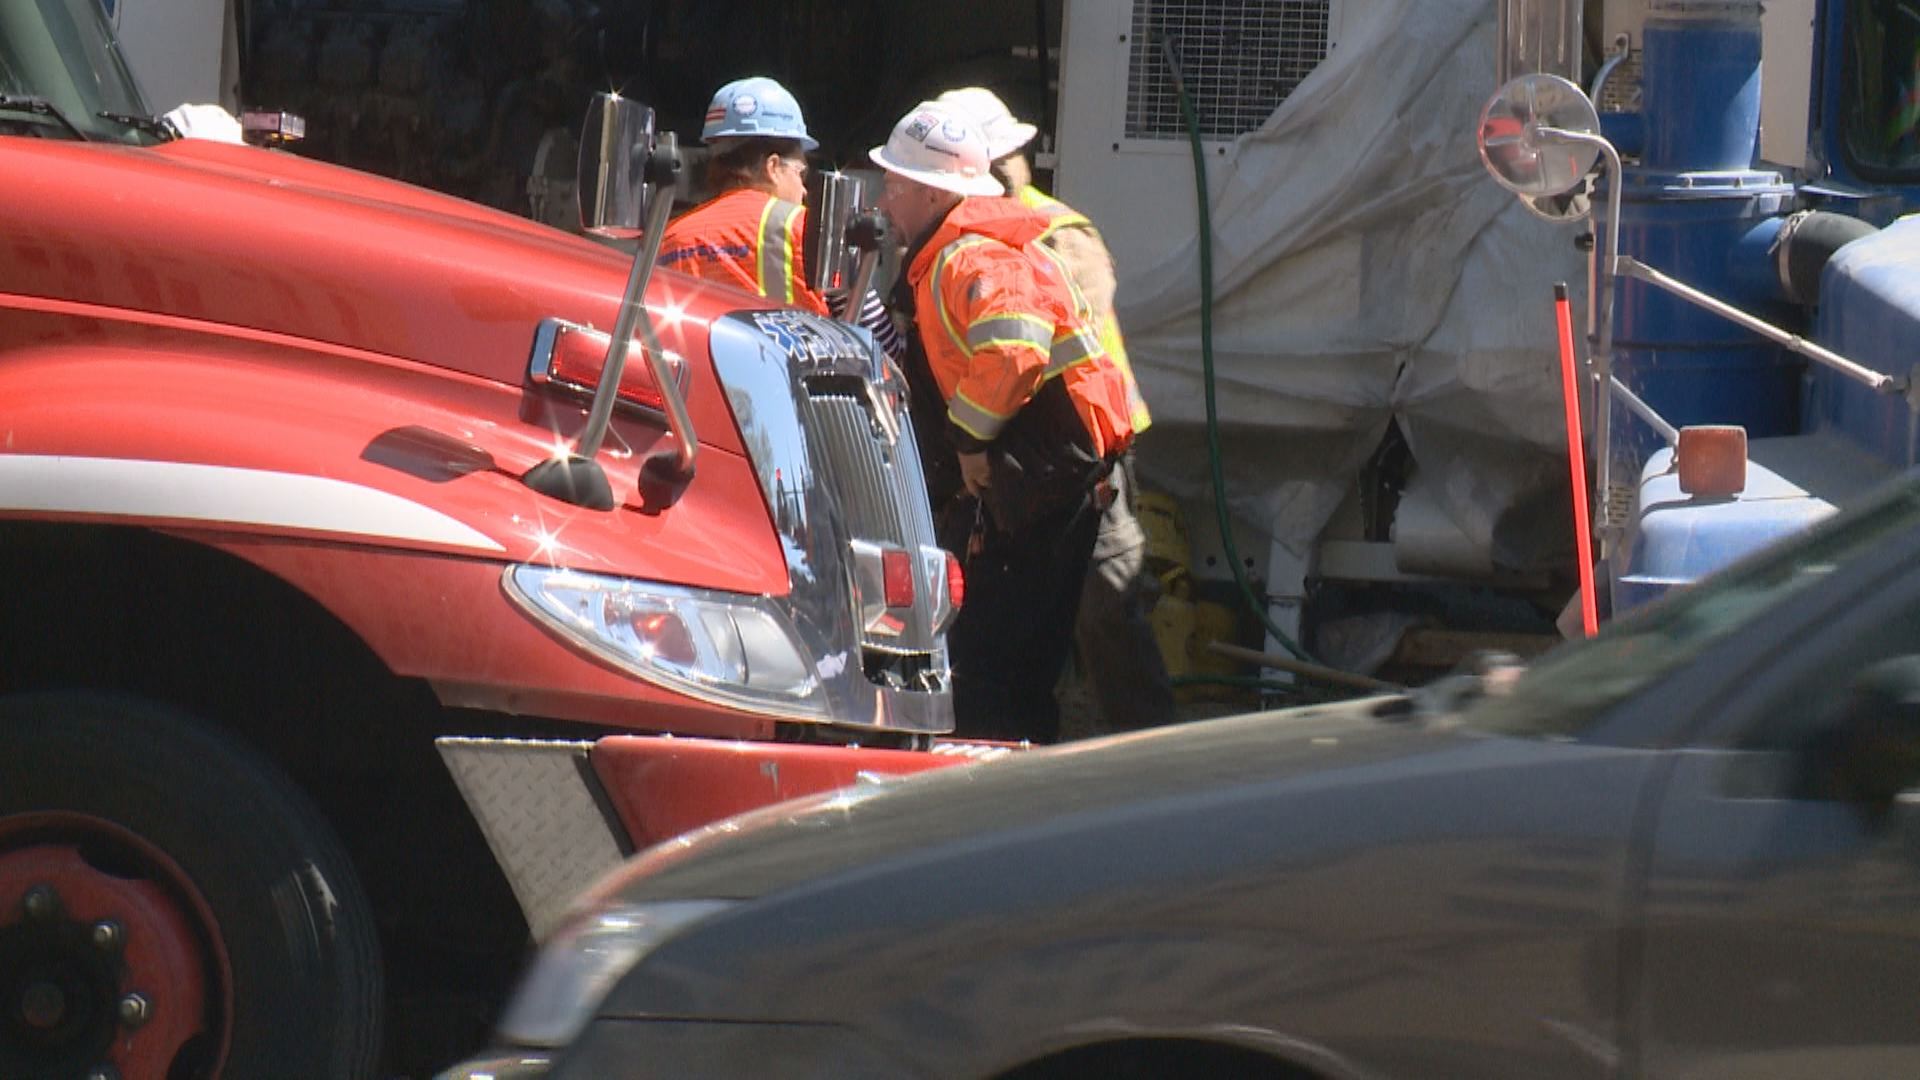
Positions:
(1366, 268)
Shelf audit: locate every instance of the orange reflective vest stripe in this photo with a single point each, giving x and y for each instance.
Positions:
(1000, 316)
(748, 239)
(1061, 216)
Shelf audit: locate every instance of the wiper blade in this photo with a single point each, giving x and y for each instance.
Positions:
(152, 125)
(39, 107)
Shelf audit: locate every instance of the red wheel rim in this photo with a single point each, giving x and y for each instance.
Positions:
(111, 961)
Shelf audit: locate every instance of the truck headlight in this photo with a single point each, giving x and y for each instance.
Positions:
(729, 648)
(577, 967)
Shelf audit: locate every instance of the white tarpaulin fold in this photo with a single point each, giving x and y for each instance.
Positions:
(1366, 269)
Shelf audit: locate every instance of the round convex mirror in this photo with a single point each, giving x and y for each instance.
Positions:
(1522, 157)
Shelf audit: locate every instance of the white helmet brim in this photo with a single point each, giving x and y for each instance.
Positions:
(1012, 138)
(984, 184)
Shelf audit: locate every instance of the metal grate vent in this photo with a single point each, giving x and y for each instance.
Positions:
(1241, 59)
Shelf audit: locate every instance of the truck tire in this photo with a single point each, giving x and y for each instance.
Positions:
(170, 905)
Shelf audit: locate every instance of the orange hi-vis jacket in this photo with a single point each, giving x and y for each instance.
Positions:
(1077, 256)
(1000, 317)
(745, 238)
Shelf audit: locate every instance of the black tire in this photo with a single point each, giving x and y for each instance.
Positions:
(295, 924)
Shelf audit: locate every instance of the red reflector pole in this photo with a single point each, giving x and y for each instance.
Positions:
(1576, 460)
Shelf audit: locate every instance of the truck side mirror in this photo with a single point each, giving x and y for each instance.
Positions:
(1518, 136)
(619, 160)
(1874, 752)
(833, 200)
(615, 142)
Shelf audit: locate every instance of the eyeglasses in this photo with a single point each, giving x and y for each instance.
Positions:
(798, 165)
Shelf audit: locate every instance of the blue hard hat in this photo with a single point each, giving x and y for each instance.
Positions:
(746, 108)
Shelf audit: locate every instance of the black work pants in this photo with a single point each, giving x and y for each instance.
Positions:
(1015, 629)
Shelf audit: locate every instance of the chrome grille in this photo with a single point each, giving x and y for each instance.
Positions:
(825, 428)
(862, 469)
(875, 475)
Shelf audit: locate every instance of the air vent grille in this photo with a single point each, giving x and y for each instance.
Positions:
(1240, 58)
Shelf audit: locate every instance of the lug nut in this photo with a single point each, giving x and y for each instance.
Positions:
(41, 902)
(134, 1010)
(106, 935)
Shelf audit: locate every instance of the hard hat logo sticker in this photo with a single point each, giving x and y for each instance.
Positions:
(954, 132)
(746, 105)
(921, 127)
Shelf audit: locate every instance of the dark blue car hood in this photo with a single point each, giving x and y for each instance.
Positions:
(815, 838)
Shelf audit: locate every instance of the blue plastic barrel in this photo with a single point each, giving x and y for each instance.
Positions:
(1701, 82)
(1691, 365)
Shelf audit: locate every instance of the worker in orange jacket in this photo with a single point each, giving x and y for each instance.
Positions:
(751, 233)
(1119, 655)
(1069, 232)
(1036, 413)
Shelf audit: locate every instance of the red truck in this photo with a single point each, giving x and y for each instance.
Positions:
(315, 697)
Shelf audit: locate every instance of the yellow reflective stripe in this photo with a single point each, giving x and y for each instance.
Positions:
(1109, 344)
(1009, 330)
(977, 421)
(1086, 342)
(1073, 347)
(939, 300)
(1059, 214)
(775, 261)
(1081, 308)
(1140, 418)
(789, 251)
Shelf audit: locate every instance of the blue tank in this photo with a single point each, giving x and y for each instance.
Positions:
(1870, 313)
(1696, 208)
(1701, 85)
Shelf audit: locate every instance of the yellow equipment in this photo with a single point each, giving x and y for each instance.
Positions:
(1182, 626)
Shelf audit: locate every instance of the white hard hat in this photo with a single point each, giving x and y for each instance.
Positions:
(757, 106)
(938, 146)
(991, 115)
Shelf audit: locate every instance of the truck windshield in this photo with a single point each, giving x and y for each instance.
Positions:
(1576, 684)
(1880, 110)
(59, 54)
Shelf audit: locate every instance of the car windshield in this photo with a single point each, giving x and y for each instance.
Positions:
(60, 70)
(1574, 685)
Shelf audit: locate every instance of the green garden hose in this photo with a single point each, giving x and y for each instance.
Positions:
(1206, 359)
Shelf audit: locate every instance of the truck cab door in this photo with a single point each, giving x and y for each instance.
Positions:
(1868, 108)
(1782, 908)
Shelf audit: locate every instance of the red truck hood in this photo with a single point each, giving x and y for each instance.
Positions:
(270, 241)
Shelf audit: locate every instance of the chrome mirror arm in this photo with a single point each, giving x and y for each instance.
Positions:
(1604, 524)
(867, 233)
(577, 477)
(662, 169)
